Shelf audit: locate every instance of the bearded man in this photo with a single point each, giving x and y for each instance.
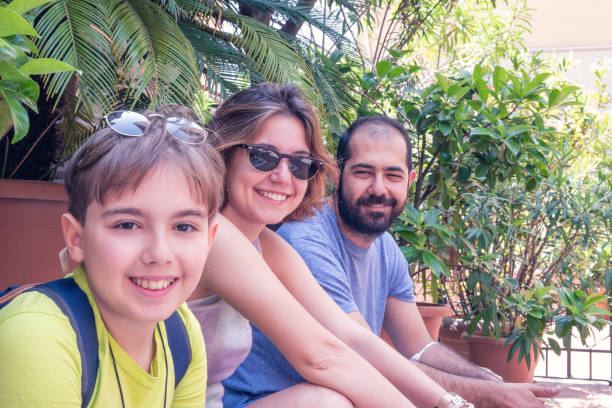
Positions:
(349, 251)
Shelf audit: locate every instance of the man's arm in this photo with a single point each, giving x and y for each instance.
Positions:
(492, 394)
(405, 326)
(407, 330)
(440, 357)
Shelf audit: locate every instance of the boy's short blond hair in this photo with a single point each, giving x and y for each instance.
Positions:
(110, 163)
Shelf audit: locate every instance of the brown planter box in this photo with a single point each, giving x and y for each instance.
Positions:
(30, 231)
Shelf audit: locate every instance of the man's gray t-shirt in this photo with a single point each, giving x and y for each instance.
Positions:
(358, 279)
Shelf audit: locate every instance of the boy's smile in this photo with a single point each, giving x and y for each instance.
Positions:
(155, 285)
(143, 251)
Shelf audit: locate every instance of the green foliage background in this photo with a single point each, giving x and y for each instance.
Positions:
(509, 218)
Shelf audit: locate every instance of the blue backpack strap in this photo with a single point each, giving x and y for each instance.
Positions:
(73, 302)
(179, 344)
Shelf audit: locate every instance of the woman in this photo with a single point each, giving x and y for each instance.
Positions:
(276, 170)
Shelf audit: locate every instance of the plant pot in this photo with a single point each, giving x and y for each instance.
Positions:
(491, 353)
(451, 333)
(432, 315)
(30, 231)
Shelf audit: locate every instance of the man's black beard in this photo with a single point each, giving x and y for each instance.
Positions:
(371, 223)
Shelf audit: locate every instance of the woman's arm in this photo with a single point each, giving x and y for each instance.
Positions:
(237, 272)
(294, 274)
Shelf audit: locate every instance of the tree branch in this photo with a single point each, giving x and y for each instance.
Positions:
(293, 25)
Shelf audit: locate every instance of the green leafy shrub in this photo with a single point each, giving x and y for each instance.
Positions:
(18, 62)
(514, 278)
(494, 198)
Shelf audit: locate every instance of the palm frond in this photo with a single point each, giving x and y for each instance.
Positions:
(312, 16)
(333, 86)
(276, 58)
(75, 31)
(171, 7)
(127, 53)
(226, 69)
(154, 54)
(265, 53)
(77, 120)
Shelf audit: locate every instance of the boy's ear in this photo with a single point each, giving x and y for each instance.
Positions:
(73, 237)
(212, 231)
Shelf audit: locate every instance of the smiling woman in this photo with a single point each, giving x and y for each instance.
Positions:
(257, 197)
(270, 139)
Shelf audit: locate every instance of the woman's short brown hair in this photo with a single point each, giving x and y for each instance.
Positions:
(241, 117)
(112, 163)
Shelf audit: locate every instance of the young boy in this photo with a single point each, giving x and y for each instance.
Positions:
(140, 223)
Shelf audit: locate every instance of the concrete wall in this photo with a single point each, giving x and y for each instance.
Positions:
(570, 23)
(579, 29)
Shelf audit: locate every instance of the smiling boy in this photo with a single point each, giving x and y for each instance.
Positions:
(140, 223)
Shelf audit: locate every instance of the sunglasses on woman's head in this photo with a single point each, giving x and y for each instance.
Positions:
(129, 123)
(266, 159)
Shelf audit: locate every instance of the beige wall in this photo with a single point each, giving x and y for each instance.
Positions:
(570, 23)
(578, 29)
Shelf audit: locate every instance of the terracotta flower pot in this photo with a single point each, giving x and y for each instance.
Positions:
(451, 333)
(30, 231)
(432, 315)
(491, 353)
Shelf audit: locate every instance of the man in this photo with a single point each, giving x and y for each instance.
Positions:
(349, 252)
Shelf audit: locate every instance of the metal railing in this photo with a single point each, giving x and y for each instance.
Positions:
(578, 362)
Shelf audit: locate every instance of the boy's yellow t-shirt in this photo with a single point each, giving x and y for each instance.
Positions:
(40, 364)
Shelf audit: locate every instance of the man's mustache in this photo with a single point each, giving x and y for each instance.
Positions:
(377, 200)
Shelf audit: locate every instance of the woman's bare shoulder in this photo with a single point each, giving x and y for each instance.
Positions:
(269, 237)
(276, 251)
(229, 252)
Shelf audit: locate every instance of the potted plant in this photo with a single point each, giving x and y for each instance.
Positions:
(519, 291)
(467, 136)
(418, 232)
(30, 232)
(477, 132)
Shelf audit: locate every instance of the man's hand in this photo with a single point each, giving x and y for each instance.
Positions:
(513, 395)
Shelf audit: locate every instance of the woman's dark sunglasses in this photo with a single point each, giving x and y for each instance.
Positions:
(265, 159)
(129, 123)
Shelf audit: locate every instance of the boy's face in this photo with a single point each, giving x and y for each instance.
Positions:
(143, 251)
